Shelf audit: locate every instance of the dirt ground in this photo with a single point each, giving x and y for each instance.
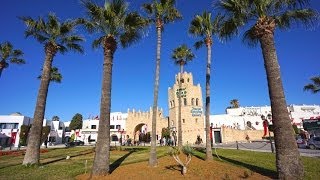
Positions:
(168, 169)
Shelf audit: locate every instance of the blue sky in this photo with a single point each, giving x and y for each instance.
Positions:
(237, 71)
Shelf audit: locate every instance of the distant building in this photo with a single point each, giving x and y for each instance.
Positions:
(10, 126)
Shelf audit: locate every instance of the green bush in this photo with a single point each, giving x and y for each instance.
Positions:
(24, 130)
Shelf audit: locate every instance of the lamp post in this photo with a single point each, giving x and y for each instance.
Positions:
(121, 132)
(264, 118)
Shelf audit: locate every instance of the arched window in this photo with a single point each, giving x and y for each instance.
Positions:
(196, 120)
(172, 103)
(192, 101)
(185, 101)
(188, 80)
(183, 121)
(197, 102)
(182, 80)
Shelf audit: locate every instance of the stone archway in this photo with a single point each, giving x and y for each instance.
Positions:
(141, 133)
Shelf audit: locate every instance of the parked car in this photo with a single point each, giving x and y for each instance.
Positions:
(75, 143)
(314, 143)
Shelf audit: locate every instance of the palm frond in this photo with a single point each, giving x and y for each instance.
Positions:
(97, 42)
(305, 16)
(55, 75)
(316, 80)
(249, 38)
(17, 61)
(197, 45)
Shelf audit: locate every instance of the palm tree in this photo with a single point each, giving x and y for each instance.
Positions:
(204, 27)
(314, 87)
(234, 103)
(265, 17)
(56, 37)
(113, 24)
(159, 13)
(181, 55)
(8, 54)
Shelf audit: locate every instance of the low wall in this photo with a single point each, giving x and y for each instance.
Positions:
(232, 135)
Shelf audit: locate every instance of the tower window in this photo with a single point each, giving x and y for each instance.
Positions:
(196, 120)
(182, 80)
(185, 101)
(192, 101)
(172, 103)
(188, 80)
(183, 121)
(197, 102)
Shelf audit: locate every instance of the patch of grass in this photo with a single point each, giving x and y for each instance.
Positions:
(261, 162)
(54, 164)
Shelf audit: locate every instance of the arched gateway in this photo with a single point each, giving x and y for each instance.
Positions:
(139, 124)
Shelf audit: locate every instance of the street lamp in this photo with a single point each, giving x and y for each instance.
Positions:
(121, 132)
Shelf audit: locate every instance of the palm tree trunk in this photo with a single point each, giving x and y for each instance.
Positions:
(289, 165)
(102, 156)
(32, 156)
(208, 140)
(179, 110)
(153, 151)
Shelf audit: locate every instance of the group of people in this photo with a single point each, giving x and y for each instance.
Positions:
(169, 141)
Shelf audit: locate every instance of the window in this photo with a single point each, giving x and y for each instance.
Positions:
(192, 101)
(118, 126)
(2, 125)
(114, 137)
(188, 80)
(185, 101)
(197, 102)
(111, 126)
(172, 103)
(93, 126)
(196, 120)
(182, 80)
(183, 121)
(9, 125)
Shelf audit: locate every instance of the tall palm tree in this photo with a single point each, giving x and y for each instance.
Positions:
(181, 55)
(113, 24)
(314, 87)
(8, 54)
(265, 16)
(205, 27)
(234, 103)
(159, 13)
(56, 37)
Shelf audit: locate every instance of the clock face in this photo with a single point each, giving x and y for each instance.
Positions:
(181, 92)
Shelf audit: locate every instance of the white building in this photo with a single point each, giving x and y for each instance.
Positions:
(57, 131)
(250, 117)
(10, 126)
(89, 131)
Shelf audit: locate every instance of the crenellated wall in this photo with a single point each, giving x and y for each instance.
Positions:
(138, 118)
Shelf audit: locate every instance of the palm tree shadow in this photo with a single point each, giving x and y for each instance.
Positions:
(118, 162)
(63, 158)
(263, 171)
